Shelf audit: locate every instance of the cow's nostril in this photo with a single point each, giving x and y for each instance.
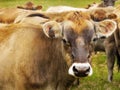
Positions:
(75, 70)
(88, 70)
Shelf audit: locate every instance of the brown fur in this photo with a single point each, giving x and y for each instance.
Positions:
(103, 13)
(79, 20)
(77, 17)
(31, 61)
(8, 15)
(30, 6)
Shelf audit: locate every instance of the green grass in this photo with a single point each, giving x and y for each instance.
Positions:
(98, 81)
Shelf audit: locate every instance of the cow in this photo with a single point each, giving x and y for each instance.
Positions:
(30, 6)
(49, 56)
(104, 3)
(97, 15)
(111, 45)
(60, 9)
(8, 15)
(107, 3)
(107, 45)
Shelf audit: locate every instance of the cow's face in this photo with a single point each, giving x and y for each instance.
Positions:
(77, 33)
(77, 45)
(109, 2)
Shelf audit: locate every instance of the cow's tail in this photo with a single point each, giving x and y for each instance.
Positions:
(118, 60)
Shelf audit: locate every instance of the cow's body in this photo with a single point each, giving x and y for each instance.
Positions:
(111, 47)
(60, 9)
(30, 60)
(8, 15)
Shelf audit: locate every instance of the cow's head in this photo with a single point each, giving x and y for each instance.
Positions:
(77, 31)
(99, 14)
(109, 2)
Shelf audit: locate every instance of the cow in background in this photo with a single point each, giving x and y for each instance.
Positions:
(104, 3)
(96, 13)
(8, 15)
(112, 49)
(111, 45)
(30, 6)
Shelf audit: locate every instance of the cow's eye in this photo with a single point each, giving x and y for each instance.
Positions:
(88, 56)
(72, 55)
(66, 42)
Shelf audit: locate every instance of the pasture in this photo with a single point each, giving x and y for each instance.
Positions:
(98, 81)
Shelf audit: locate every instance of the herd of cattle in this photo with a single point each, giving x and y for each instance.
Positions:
(50, 50)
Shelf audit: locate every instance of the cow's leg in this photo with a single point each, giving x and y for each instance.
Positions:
(110, 52)
(110, 65)
(118, 59)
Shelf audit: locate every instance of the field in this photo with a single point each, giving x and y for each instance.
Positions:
(98, 81)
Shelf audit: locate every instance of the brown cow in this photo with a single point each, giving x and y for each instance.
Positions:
(111, 46)
(30, 6)
(8, 15)
(48, 57)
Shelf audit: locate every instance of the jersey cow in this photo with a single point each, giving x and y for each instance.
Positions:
(112, 44)
(48, 57)
(8, 15)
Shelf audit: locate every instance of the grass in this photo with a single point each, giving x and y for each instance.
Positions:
(98, 81)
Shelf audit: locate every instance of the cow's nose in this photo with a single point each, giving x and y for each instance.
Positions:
(80, 69)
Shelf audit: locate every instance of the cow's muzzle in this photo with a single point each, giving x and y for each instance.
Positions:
(80, 70)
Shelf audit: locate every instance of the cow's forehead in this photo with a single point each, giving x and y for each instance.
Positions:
(80, 21)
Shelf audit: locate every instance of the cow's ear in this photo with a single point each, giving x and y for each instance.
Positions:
(52, 29)
(105, 28)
